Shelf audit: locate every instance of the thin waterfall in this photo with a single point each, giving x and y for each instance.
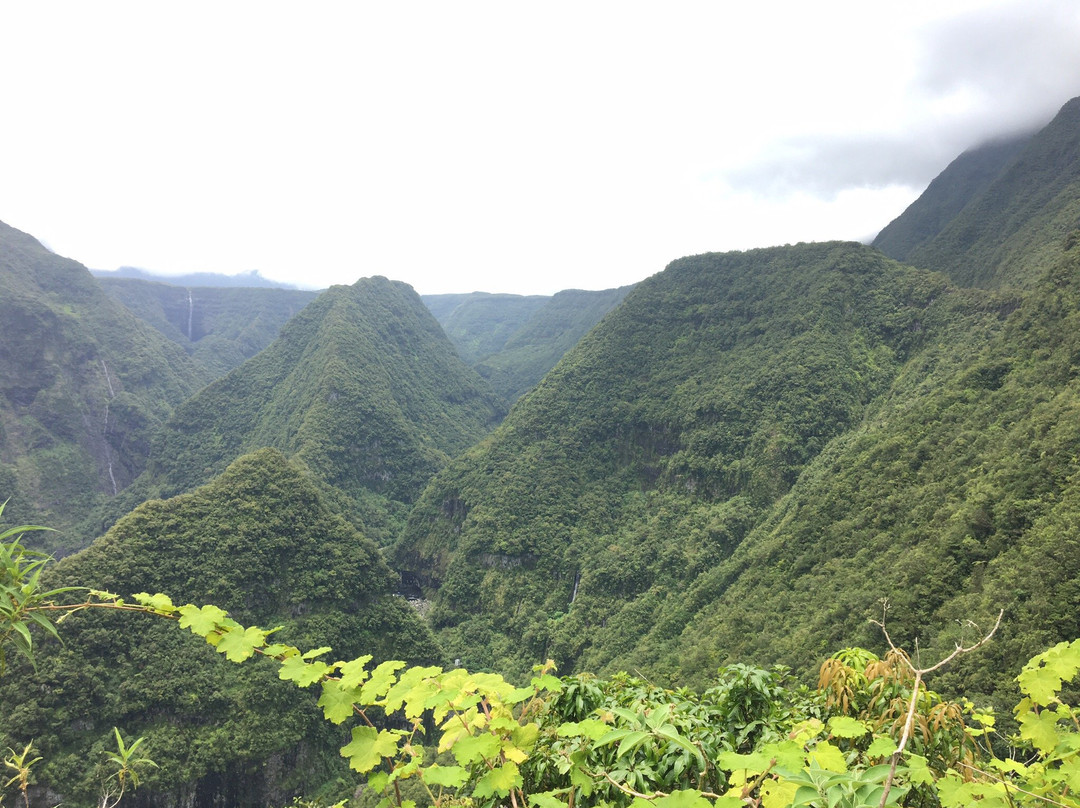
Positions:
(105, 430)
(577, 580)
(190, 312)
(108, 381)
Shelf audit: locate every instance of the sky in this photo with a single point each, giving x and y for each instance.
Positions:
(498, 146)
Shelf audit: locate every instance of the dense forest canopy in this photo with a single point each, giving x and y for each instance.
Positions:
(732, 463)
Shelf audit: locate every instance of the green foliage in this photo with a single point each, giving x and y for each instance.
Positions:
(361, 387)
(21, 594)
(512, 340)
(219, 327)
(953, 498)
(538, 345)
(83, 384)
(261, 542)
(963, 180)
(479, 323)
(647, 454)
(747, 741)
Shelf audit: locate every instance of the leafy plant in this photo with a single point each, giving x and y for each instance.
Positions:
(21, 763)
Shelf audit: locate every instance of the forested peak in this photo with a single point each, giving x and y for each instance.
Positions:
(27, 267)
(218, 326)
(1010, 233)
(957, 498)
(255, 539)
(961, 181)
(646, 454)
(261, 541)
(362, 386)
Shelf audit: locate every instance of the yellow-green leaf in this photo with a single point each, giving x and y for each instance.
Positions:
(686, 798)
(448, 776)
(337, 700)
(239, 643)
(842, 726)
(473, 748)
(1040, 729)
(368, 747)
(882, 746)
(498, 781)
(828, 757)
(294, 669)
(202, 620)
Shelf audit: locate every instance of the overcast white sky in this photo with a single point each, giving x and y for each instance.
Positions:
(498, 146)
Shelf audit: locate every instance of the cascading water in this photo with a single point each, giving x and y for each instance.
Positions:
(105, 430)
(190, 313)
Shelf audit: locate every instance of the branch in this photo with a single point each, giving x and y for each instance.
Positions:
(919, 673)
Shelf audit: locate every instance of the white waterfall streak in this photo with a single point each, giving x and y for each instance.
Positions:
(108, 381)
(105, 429)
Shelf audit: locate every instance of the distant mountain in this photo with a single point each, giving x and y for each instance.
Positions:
(964, 179)
(1012, 230)
(251, 279)
(479, 323)
(362, 387)
(83, 385)
(513, 340)
(552, 330)
(261, 542)
(219, 327)
(656, 444)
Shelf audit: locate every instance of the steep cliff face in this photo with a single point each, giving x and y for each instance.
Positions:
(83, 384)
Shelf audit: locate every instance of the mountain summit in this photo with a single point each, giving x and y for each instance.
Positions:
(362, 387)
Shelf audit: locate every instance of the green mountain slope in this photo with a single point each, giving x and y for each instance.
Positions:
(83, 384)
(541, 342)
(219, 327)
(964, 179)
(261, 542)
(479, 323)
(1012, 233)
(513, 340)
(955, 498)
(362, 387)
(653, 447)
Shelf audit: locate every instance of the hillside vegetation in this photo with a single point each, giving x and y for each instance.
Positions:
(536, 347)
(83, 386)
(1012, 231)
(361, 387)
(956, 497)
(260, 542)
(964, 179)
(741, 461)
(219, 327)
(513, 340)
(658, 442)
(479, 323)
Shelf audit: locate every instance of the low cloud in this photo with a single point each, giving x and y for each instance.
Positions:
(980, 76)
